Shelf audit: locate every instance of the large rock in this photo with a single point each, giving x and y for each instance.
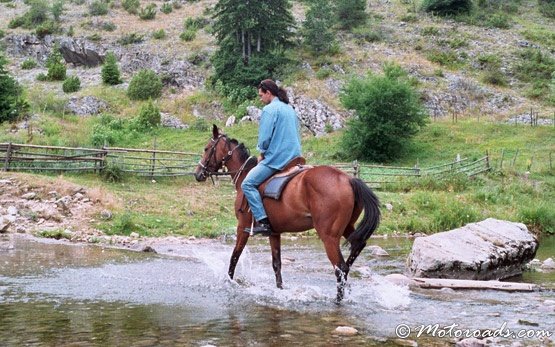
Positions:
(491, 249)
(81, 52)
(86, 105)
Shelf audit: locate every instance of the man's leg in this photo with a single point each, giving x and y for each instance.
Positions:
(250, 185)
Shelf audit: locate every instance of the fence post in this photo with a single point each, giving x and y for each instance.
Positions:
(152, 167)
(487, 160)
(356, 167)
(514, 159)
(502, 156)
(417, 169)
(8, 155)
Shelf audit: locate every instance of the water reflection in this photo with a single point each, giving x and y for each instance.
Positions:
(53, 294)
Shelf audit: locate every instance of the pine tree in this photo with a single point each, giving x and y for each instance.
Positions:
(56, 65)
(250, 35)
(350, 13)
(317, 28)
(12, 103)
(110, 72)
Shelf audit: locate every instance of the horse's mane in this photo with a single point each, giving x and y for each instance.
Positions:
(242, 150)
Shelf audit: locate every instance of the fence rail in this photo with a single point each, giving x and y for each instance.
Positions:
(161, 163)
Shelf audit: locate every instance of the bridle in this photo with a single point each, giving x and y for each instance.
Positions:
(208, 172)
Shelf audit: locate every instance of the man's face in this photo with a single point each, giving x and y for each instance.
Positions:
(265, 97)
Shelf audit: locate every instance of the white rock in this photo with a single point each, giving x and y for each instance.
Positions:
(134, 235)
(29, 196)
(377, 251)
(344, 330)
(389, 206)
(12, 210)
(548, 264)
(230, 121)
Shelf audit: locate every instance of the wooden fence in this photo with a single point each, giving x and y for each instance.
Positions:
(159, 163)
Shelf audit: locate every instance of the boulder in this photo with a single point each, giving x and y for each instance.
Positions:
(86, 105)
(487, 250)
(81, 52)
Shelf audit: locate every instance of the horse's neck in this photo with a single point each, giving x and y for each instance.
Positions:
(241, 169)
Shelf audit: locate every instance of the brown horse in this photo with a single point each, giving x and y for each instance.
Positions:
(323, 198)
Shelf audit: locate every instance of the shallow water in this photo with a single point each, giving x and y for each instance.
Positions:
(58, 294)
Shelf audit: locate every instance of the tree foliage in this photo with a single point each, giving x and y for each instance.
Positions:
(317, 29)
(56, 65)
(447, 7)
(110, 72)
(144, 85)
(350, 13)
(12, 102)
(250, 36)
(388, 113)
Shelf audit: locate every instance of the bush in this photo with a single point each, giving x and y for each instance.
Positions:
(166, 8)
(547, 8)
(159, 34)
(350, 13)
(12, 102)
(98, 8)
(112, 172)
(71, 84)
(387, 114)
(47, 28)
(110, 72)
(364, 34)
(495, 77)
(538, 218)
(188, 35)
(149, 116)
(144, 85)
(130, 39)
(29, 64)
(535, 68)
(148, 12)
(131, 6)
(42, 77)
(447, 7)
(498, 20)
(108, 26)
(55, 65)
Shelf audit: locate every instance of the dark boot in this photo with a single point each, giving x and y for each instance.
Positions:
(262, 227)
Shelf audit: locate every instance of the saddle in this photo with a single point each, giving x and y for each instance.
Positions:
(273, 187)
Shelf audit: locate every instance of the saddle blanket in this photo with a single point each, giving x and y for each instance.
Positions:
(277, 183)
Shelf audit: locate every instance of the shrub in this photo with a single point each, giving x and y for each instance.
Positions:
(447, 7)
(159, 34)
(108, 26)
(131, 6)
(364, 34)
(148, 12)
(535, 68)
(350, 13)
(47, 28)
(57, 9)
(110, 72)
(538, 218)
(194, 23)
(12, 102)
(112, 172)
(387, 114)
(317, 28)
(42, 77)
(29, 64)
(149, 116)
(499, 20)
(130, 39)
(55, 65)
(71, 84)
(495, 77)
(144, 85)
(166, 8)
(188, 35)
(547, 8)
(323, 73)
(98, 8)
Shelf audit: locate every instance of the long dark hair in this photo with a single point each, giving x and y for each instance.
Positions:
(269, 85)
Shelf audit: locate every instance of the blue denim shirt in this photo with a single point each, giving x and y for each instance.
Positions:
(278, 134)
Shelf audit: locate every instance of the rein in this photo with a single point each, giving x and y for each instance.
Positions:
(223, 162)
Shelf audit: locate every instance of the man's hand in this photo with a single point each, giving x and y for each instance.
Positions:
(260, 157)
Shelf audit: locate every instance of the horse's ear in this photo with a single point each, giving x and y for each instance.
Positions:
(215, 131)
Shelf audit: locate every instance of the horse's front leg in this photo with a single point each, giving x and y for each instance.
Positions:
(242, 238)
(275, 243)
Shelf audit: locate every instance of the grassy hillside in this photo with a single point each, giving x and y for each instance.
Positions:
(483, 68)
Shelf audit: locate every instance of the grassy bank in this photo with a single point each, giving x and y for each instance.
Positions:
(523, 190)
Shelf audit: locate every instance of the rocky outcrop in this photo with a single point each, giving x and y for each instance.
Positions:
(86, 105)
(169, 121)
(81, 52)
(314, 115)
(491, 249)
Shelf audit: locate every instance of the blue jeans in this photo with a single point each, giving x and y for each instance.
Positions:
(250, 185)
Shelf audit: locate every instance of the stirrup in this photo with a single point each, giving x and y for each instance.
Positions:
(259, 229)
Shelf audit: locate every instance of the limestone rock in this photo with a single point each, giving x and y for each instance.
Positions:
(548, 264)
(344, 330)
(86, 105)
(487, 250)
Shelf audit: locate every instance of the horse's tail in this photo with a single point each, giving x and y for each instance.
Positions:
(365, 198)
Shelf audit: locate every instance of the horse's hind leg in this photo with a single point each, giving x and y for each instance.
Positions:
(242, 238)
(275, 243)
(333, 251)
(355, 251)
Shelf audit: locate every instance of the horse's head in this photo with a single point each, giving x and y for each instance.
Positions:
(216, 153)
